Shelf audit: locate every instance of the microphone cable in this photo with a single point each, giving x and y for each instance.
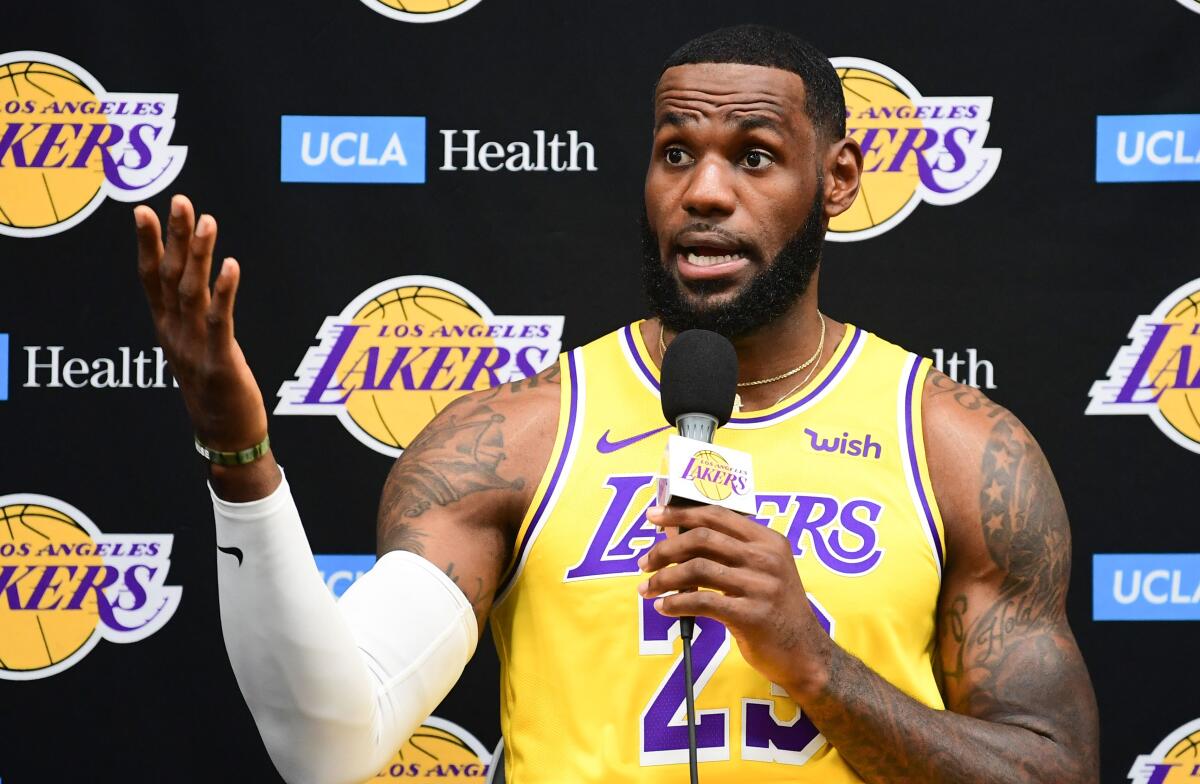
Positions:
(686, 629)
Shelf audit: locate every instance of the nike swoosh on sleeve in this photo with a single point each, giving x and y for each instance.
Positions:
(234, 551)
(604, 446)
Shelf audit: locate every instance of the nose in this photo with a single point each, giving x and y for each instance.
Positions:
(710, 189)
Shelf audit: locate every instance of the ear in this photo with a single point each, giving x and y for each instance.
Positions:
(843, 172)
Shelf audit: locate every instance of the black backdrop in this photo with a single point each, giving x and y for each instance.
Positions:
(1042, 272)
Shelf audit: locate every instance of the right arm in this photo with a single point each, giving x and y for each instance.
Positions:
(336, 687)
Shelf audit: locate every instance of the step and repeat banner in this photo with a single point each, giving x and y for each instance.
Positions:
(434, 196)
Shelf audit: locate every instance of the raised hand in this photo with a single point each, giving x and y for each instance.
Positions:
(195, 329)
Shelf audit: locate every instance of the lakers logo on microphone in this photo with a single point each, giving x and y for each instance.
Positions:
(915, 148)
(406, 348)
(421, 10)
(66, 143)
(64, 586)
(1156, 374)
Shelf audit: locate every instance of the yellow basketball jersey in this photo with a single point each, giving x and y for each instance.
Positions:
(592, 676)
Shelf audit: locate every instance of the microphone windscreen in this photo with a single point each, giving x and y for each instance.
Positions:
(699, 376)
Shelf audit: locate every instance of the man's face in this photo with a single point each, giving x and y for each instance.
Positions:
(734, 197)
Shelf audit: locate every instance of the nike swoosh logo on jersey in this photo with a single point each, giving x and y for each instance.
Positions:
(235, 552)
(604, 446)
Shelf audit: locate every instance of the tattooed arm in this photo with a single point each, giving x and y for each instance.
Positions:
(1021, 706)
(458, 493)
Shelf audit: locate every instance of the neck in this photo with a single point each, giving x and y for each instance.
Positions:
(773, 349)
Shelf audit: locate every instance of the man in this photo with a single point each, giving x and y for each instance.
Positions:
(910, 551)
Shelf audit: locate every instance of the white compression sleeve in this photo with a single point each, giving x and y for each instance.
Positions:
(334, 687)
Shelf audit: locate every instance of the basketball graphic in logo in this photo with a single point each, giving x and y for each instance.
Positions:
(421, 10)
(1158, 373)
(707, 472)
(439, 749)
(64, 586)
(406, 348)
(915, 148)
(1176, 760)
(66, 143)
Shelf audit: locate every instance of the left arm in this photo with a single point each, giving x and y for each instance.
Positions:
(1021, 706)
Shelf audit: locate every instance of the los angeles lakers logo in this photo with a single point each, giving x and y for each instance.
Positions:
(439, 749)
(915, 149)
(66, 143)
(1174, 761)
(405, 349)
(1191, 5)
(64, 586)
(421, 10)
(712, 476)
(1156, 374)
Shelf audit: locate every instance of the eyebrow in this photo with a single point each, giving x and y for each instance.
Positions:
(746, 123)
(675, 119)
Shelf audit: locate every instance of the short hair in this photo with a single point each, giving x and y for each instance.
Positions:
(752, 44)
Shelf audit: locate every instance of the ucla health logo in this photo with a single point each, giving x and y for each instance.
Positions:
(64, 586)
(318, 148)
(1146, 587)
(1174, 761)
(67, 143)
(915, 149)
(406, 348)
(421, 10)
(1148, 148)
(1155, 374)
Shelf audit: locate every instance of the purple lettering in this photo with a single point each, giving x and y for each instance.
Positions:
(46, 584)
(1133, 382)
(320, 384)
(481, 364)
(596, 562)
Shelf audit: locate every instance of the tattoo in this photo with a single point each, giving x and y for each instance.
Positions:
(1010, 661)
(968, 397)
(550, 375)
(478, 596)
(459, 453)
(1025, 529)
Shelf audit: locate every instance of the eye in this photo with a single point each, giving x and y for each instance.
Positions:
(757, 160)
(676, 156)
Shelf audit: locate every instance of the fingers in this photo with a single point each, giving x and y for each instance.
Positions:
(701, 573)
(695, 543)
(193, 282)
(180, 226)
(708, 604)
(715, 518)
(220, 310)
(150, 253)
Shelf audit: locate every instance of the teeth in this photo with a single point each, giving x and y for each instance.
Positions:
(711, 261)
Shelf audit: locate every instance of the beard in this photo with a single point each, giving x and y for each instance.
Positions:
(765, 298)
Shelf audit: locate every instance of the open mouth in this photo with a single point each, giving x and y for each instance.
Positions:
(704, 261)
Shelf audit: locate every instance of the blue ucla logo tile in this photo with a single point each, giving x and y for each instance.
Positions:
(339, 572)
(1148, 148)
(1146, 587)
(352, 149)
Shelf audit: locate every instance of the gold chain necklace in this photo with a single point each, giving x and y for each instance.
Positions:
(807, 376)
(662, 349)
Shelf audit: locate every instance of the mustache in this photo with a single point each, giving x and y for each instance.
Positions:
(718, 231)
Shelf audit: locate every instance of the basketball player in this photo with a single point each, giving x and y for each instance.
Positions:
(894, 612)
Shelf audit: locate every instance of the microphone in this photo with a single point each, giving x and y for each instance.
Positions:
(697, 388)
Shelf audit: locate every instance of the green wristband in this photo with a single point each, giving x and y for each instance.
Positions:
(241, 457)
